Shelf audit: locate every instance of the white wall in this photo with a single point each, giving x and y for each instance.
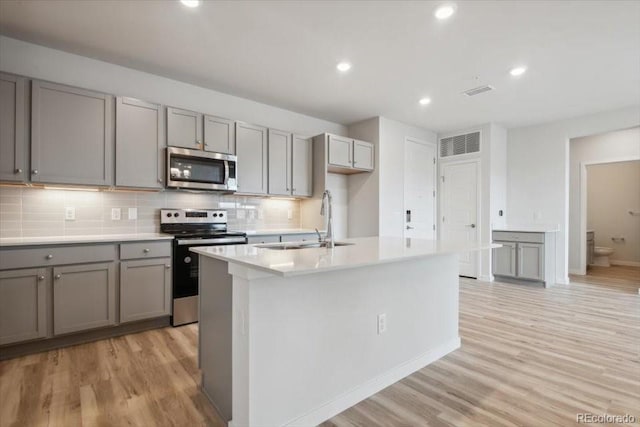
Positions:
(40, 62)
(538, 171)
(613, 189)
(391, 168)
(611, 146)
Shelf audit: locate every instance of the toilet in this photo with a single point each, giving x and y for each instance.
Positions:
(601, 256)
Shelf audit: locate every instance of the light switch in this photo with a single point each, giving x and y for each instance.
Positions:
(289, 214)
(133, 213)
(70, 213)
(115, 214)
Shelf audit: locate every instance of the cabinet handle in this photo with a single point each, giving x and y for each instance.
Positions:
(49, 256)
(167, 266)
(146, 251)
(198, 142)
(160, 180)
(40, 278)
(18, 170)
(35, 171)
(58, 276)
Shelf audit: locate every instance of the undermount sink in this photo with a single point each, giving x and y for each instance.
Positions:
(299, 245)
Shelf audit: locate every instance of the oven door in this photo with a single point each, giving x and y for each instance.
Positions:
(200, 170)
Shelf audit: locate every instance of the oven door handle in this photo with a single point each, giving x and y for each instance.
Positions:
(220, 241)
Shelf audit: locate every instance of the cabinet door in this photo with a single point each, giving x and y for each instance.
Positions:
(23, 309)
(302, 166)
(363, 155)
(279, 163)
(299, 237)
(251, 149)
(145, 289)
(219, 135)
(504, 259)
(253, 240)
(84, 297)
(531, 261)
(71, 135)
(12, 128)
(139, 144)
(184, 128)
(340, 151)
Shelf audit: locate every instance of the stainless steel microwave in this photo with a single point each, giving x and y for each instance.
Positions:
(200, 170)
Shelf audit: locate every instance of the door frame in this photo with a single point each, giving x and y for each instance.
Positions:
(582, 200)
(436, 187)
(479, 225)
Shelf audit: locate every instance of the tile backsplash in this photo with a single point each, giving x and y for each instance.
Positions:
(35, 212)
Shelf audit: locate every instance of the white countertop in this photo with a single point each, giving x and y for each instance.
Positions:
(278, 231)
(93, 238)
(532, 228)
(365, 251)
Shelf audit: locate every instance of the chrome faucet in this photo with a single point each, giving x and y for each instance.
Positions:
(325, 210)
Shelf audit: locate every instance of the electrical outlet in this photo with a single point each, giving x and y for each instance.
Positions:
(382, 323)
(133, 213)
(70, 214)
(289, 214)
(115, 214)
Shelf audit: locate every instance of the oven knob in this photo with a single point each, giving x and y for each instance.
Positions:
(215, 215)
(169, 214)
(221, 214)
(187, 260)
(176, 214)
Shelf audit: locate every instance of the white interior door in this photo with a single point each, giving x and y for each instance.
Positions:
(419, 189)
(459, 210)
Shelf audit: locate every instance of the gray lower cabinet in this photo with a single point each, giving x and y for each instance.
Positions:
(219, 135)
(13, 130)
(251, 149)
(71, 135)
(145, 289)
(184, 128)
(279, 163)
(139, 144)
(525, 255)
(23, 305)
(302, 166)
(84, 297)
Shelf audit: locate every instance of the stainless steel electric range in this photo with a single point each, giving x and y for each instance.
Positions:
(193, 227)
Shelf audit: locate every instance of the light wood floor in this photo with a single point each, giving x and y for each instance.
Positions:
(621, 277)
(530, 357)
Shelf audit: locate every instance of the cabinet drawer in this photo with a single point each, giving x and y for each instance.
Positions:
(145, 250)
(58, 255)
(518, 236)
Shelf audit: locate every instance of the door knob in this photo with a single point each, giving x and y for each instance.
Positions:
(472, 225)
(410, 227)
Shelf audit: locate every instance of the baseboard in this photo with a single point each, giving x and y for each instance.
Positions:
(371, 387)
(562, 280)
(486, 278)
(576, 271)
(624, 263)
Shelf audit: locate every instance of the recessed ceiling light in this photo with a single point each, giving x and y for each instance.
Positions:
(343, 66)
(518, 71)
(190, 3)
(445, 11)
(425, 101)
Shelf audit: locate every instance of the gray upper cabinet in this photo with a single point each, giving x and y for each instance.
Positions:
(251, 149)
(23, 308)
(84, 297)
(363, 155)
(12, 128)
(219, 135)
(184, 128)
(340, 151)
(139, 144)
(302, 166)
(279, 163)
(145, 289)
(71, 135)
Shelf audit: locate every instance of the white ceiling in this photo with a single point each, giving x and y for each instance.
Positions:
(582, 56)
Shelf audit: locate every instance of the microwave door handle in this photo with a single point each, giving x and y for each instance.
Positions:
(226, 173)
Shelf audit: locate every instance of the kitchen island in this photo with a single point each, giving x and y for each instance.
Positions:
(295, 336)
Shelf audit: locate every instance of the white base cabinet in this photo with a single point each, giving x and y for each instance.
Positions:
(528, 256)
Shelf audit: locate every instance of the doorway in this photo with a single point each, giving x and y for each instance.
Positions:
(459, 209)
(419, 189)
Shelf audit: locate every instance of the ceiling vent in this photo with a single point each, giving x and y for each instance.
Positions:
(460, 144)
(478, 90)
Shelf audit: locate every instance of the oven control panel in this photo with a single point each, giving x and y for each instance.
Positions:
(193, 216)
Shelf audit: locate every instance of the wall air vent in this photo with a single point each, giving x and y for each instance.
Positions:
(460, 144)
(478, 90)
